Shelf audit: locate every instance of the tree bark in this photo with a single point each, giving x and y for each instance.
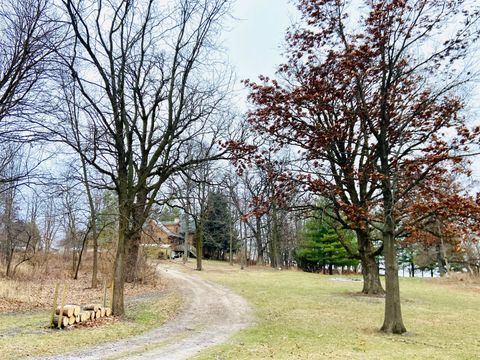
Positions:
(440, 261)
(134, 238)
(245, 243)
(371, 278)
(199, 239)
(393, 322)
(274, 240)
(199, 248)
(80, 255)
(95, 257)
(258, 239)
(230, 254)
(118, 307)
(444, 254)
(133, 247)
(9, 262)
(186, 247)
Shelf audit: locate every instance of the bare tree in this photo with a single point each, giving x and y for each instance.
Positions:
(74, 222)
(51, 225)
(16, 233)
(28, 40)
(140, 70)
(189, 191)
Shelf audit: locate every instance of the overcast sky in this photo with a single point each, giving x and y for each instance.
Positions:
(255, 38)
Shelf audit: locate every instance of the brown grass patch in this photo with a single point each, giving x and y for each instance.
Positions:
(33, 286)
(464, 282)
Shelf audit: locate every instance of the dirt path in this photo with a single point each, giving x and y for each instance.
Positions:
(211, 314)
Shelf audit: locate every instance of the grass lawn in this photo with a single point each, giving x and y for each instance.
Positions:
(310, 316)
(26, 335)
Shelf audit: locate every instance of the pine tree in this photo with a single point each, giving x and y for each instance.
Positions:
(321, 249)
(217, 227)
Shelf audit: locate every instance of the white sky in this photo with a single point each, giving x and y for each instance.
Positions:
(256, 36)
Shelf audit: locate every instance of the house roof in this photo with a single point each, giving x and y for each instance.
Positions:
(167, 230)
(163, 228)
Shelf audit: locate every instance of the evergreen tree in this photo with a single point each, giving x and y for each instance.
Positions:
(218, 222)
(321, 249)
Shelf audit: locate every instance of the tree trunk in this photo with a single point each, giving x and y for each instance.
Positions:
(393, 322)
(79, 262)
(444, 256)
(245, 243)
(199, 248)
(9, 262)
(133, 240)
(258, 239)
(95, 257)
(274, 240)
(118, 307)
(230, 255)
(440, 261)
(371, 278)
(74, 261)
(185, 237)
(133, 246)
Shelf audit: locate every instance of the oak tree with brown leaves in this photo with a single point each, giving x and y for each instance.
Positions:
(441, 215)
(367, 99)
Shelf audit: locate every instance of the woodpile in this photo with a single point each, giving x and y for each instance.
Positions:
(75, 314)
(66, 314)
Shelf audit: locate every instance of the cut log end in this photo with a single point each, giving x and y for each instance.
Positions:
(64, 322)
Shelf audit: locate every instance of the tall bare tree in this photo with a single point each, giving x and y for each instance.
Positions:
(189, 191)
(28, 40)
(148, 87)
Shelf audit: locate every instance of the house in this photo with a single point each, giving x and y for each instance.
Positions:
(166, 239)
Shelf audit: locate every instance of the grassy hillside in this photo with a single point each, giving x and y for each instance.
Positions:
(310, 316)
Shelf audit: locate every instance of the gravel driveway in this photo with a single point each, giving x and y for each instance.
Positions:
(211, 313)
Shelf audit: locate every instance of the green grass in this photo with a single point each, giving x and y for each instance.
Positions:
(23, 335)
(309, 316)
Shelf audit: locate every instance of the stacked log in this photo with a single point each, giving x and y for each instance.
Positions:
(69, 310)
(91, 307)
(75, 314)
(84, 316)
(64, 321)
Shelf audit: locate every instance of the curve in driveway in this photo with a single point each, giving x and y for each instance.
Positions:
(211, 314)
